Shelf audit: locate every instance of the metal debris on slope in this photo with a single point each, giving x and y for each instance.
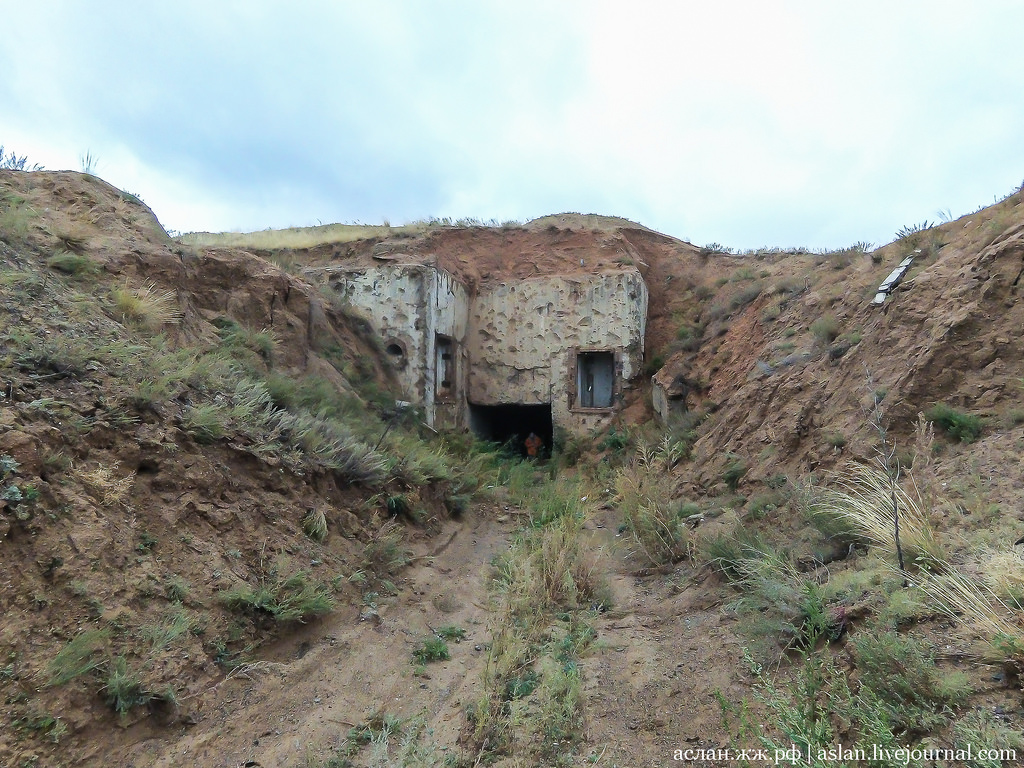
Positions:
(893, 279)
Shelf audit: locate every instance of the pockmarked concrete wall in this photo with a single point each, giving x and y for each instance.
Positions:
(524, 336)
(448, 317)
(410, 305)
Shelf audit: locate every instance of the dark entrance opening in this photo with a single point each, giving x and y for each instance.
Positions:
(512, 423)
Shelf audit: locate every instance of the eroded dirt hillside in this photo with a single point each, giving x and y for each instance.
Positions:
(174, 425)
(223, 545)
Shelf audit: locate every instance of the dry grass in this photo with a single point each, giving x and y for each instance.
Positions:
(1003, 573)
(977, 606)
(549, 568)
(146, 305)
(644, 495)
(300, 237)
(862, 499)
(385, 552)
(106, 487)
(314, 524)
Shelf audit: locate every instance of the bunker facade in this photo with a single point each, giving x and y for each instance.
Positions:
(508, 357)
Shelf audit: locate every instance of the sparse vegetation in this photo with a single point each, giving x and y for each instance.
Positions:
(128, 577)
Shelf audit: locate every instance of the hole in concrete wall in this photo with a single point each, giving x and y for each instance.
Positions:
(595, 379)
(512, 423)
(396, 352)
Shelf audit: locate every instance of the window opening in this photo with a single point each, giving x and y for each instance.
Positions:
(595, 379)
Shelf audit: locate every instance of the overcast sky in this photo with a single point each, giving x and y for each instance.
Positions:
(744, 123)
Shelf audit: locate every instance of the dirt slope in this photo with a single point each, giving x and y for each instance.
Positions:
(138, 523)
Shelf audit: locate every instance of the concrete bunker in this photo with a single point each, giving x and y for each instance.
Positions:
(504, 356)
(511, 423)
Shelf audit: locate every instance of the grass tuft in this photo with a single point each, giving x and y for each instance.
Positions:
(314, 524)
(862, 501)
(78, 657)
(146, 305)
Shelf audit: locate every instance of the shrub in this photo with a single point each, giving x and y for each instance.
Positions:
(961, 427)
(734, 471)
(782, 604)
(836, 439)
(617, 440)
(825, 328)
(654, 365)
(901, 674)
(745, 296)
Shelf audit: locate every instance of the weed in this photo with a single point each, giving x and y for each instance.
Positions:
(645, 501)
(123, 690)
(980, 729)
(384, 554)
(963, 599)
(206, 424)
(617, 440)
(432, 649)
(863, 500)
(175, 624)
(727, 552)
(12, 162)
(72, 264)
(451, 632)
(176, 589)
(734, 471)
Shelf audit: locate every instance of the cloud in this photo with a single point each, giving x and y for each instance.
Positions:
(744, 123)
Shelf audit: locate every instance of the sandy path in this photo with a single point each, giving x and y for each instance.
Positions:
(300, 700)
(660, 655)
